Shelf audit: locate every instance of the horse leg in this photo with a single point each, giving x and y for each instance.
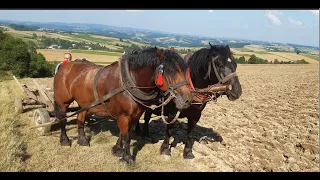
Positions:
(165, 147)
(82, 140)
(147, 117)
(117, 149)
(187, 151)
(60, 113)
(124, 126)
(137, 129)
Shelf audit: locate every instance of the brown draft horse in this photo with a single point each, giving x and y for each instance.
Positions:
(220, 59)
(138, 72)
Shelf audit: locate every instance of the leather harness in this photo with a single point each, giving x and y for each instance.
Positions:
(129, 86)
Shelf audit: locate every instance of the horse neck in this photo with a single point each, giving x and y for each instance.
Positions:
(198, 81)
(143, 77)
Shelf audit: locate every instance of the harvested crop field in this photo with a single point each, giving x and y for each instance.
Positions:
(271, 56)
(57, 55)
(274, 126)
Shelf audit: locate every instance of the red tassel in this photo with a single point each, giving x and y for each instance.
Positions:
(160, 80)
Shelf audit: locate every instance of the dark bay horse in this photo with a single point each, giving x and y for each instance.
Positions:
(207, 67)
(133, 83)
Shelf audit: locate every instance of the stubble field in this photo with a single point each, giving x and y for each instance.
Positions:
(274, 126)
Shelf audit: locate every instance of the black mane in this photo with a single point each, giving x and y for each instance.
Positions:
(149, 58)
(198, 62)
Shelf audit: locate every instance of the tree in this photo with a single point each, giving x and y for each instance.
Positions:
(34, 35)
(15, 56)
(22, 59)
(253, 59)
(241, 60)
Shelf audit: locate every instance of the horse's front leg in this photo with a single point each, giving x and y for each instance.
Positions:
(192, 121)
(124, 126)
(145, 131)
(165, 147)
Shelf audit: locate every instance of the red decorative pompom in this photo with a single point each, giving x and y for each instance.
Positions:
(160, 80)
(65, 61)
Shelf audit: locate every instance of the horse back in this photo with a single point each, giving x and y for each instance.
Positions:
(77, 80)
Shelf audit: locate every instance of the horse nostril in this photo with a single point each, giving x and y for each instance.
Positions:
(187, 103)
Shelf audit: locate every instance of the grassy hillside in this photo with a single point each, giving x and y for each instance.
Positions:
(119, 45)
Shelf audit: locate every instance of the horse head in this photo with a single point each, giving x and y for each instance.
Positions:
(169, 73)
(224, 70)
(171, 78)
(215, 65)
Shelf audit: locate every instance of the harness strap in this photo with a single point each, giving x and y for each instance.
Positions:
(171, 88)
(95, 93)
(98, 101)
(131, 87)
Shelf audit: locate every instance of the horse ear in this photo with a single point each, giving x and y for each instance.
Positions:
(155, 47)
(210, 45)
(160, 53)
(227, 46)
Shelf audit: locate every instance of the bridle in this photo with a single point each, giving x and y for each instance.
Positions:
(170, 92)
(221, 80)
(219, 76)
(171, 88)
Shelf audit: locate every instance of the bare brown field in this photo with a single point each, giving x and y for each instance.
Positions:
(57, 55)
(274, 126)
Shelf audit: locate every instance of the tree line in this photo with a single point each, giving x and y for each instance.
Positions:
(256, 60)
(22, 59)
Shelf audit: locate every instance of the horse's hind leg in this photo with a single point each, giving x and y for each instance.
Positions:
(60, 113)
(82, 140)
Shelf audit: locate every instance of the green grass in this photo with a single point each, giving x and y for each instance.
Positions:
(311, 56)
(96, 52)
(243, 49)
(261, 52)
(25, 38)
(90, 38)
(243, 55)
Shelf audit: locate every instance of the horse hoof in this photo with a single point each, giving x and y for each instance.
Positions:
(166, 152)
(117, 151)
(188, 155)
(128, 160)
(65, 142)
(83, 142)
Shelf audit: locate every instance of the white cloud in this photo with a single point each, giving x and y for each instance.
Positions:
(246, 26)
(210, 10)
(272, 15)
(134, 10)
(276, 12)
(299, 23)
(316, 12)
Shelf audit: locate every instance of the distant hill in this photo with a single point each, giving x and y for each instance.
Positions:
(157, 38)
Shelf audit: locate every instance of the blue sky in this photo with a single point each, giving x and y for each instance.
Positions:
(284, 26)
